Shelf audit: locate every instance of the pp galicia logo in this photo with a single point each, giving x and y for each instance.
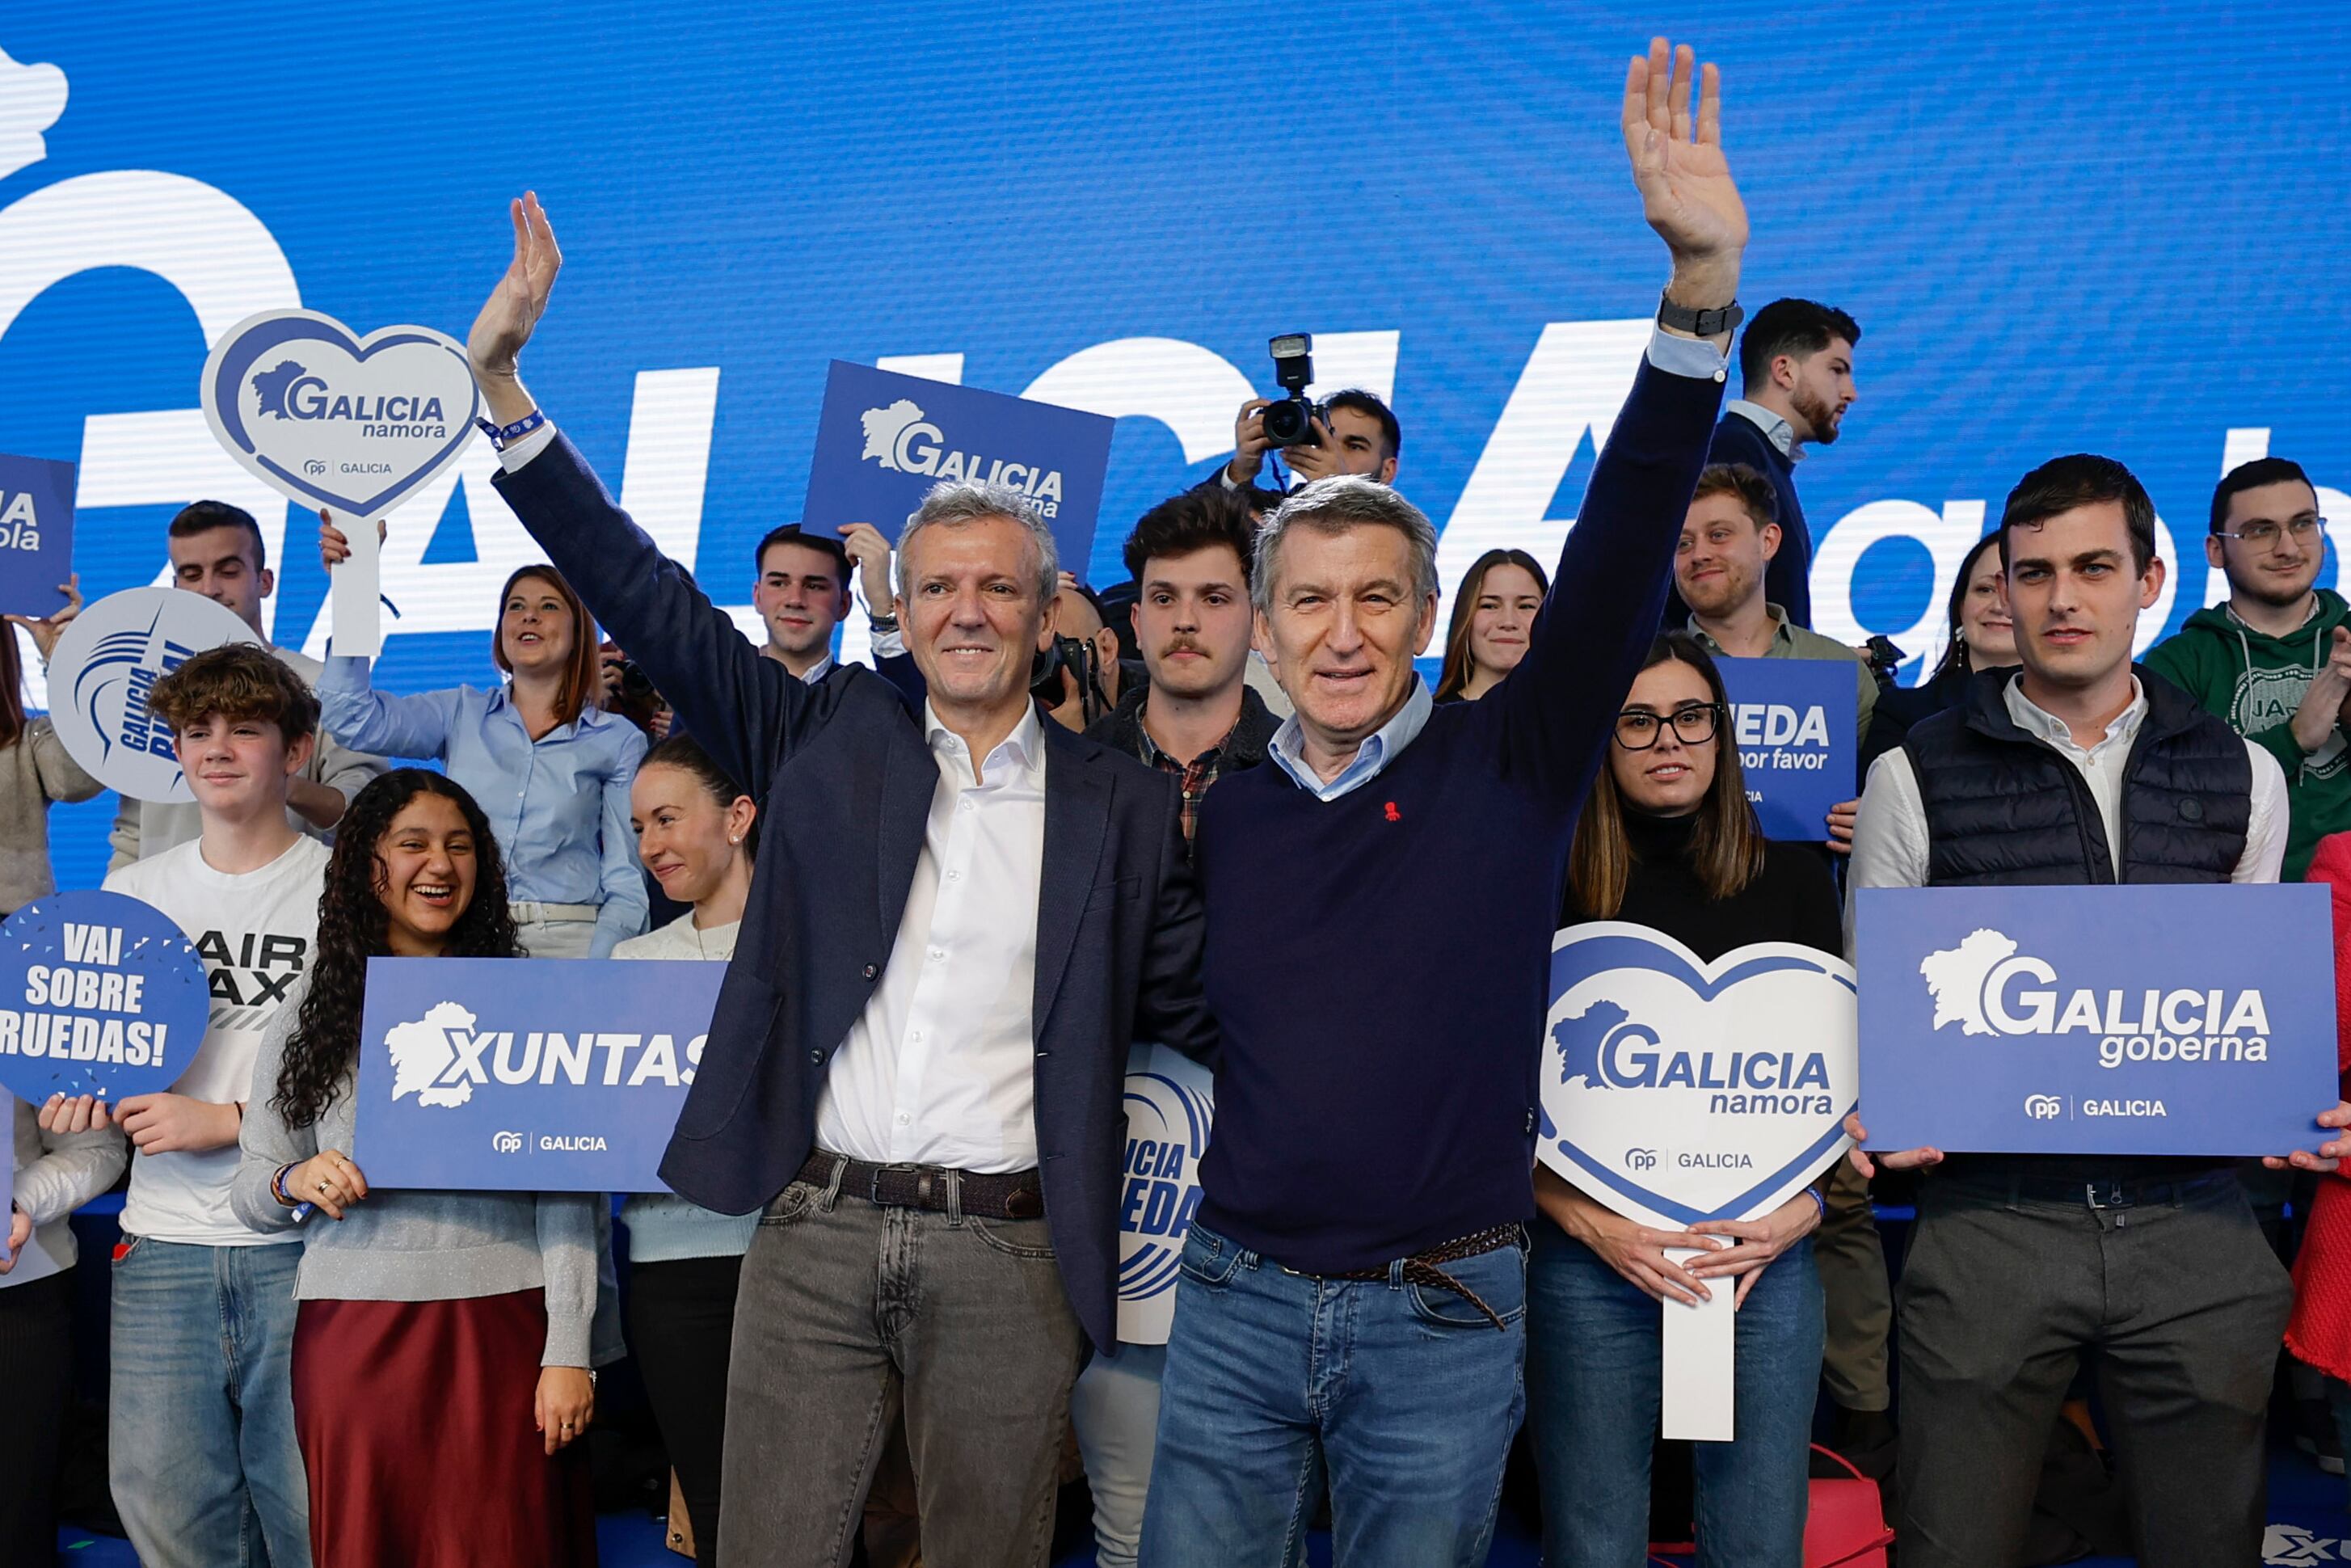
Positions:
(1988, 987)
(107, 663)
(1675, 1091)
(1169, 1110)
(900, 439)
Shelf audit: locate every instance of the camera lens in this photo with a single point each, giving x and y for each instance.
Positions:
(1286, 423)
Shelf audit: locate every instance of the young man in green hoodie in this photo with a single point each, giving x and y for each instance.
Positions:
(2275, 659)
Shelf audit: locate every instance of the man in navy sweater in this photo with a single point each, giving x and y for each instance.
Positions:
(1380, 906)
(1795, 372)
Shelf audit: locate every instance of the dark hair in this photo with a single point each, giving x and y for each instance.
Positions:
(353, 926)
(1798, 327)
(1455, 673)
(236, 681)
(1955, 651)
(1369, 404)
(1726, 852)
(2252, 475)
(792, 534)
(12, 690)
(1261, 504)
(583, 684)
(686, 754)
(1756, 495)
(2081, 479)
(1190, 522)
(203, 517)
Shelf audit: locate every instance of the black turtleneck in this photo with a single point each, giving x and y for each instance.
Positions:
(1792, 900)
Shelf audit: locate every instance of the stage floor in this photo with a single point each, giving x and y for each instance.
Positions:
(2308, 1525)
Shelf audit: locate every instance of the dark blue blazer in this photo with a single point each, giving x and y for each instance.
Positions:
(845, 780)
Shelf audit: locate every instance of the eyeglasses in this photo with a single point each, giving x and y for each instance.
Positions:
(1637, 728)
(2261, 533)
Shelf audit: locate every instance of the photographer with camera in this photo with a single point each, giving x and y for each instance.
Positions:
(1075, 677)
(1350, 432)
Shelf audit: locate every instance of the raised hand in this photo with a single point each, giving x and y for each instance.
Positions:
(515, 305)
(870, 551)
(1686, 192)
(48, 629)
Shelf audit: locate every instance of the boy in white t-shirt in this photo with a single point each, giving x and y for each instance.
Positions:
(201, 1434)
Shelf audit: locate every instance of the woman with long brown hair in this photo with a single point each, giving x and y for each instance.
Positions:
(552, 767)
(1492, 615)
(441, 1344)
(1669, 840)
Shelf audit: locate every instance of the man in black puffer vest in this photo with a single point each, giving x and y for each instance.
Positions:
(2079, 769)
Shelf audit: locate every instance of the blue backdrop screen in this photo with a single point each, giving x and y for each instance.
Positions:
(2118, 230)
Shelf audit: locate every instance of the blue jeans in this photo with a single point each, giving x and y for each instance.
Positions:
(1592, 1347)
(1405, 1394)
(200, 1439)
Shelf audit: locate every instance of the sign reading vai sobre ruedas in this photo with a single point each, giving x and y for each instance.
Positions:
(526, 1074)
(883, 439)
(99, 994)
(2125, 1020)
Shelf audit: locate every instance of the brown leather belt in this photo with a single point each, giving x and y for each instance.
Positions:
(1016, 1195)
(1423, 1268)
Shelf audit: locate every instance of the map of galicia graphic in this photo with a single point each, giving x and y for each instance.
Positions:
(273, 384)
(421, 1051)
(1580, 1038)
(1956, 977)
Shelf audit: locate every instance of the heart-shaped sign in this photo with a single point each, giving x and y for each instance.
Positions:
(1675, 1091)
(329, 419)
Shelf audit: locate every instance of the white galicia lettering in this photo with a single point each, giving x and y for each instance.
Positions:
(898, 436)
(98, 1008)
(1988, 987)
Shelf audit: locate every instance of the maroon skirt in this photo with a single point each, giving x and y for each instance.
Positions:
(415, 1423)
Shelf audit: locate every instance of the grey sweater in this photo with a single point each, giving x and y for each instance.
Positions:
(415, 1245)
(35, 771)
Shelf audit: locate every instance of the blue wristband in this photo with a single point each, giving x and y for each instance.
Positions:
(503, 436)
(1821, 1199)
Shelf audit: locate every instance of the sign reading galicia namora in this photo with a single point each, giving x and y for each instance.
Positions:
(36, 509)
(883, 439)
(1793, 723)
(99, 994)
(355, 425)
(526, 1074)
(1675, 1091)
(108, 658)
(1170, 1103)
(2122, 1021)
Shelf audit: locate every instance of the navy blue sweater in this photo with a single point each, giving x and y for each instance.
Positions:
(1787, 580)
(1378, 963)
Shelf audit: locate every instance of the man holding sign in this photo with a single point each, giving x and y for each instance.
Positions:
(2079, 769)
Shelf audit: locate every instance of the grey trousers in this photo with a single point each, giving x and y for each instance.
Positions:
(851, 1315)
(2180, 1304)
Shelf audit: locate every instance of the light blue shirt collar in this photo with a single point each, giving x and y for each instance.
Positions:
(1289, 749)
(1776, 431)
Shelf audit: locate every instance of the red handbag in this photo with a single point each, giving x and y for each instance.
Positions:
(1844, 1520)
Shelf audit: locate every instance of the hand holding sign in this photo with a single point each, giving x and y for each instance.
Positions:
(329, 1179)
(46, 631)
(2330, 1155)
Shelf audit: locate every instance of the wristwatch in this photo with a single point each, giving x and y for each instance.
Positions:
(1699, 323)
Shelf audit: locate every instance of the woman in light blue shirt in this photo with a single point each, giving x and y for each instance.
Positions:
(549, 767)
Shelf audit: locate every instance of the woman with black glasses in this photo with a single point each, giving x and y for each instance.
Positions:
(1669, 840)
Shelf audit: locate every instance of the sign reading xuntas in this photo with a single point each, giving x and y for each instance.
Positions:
(526, 1074)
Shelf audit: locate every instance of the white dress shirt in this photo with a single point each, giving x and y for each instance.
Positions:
(1889, 839)
(939, 1069)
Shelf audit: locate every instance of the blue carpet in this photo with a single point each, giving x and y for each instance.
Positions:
(2308, 1525)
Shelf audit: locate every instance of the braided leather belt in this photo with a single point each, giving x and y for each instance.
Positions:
(1016, 1195)
(1423, 1268)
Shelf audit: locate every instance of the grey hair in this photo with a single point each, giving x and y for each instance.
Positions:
(954, 501)
(1335, 504)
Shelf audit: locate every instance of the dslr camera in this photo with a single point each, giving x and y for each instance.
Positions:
(1290, 421)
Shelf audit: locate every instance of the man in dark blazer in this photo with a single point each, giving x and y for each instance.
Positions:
(958, 921)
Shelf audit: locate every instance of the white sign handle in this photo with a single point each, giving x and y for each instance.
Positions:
(355, 586)
(1696, 1394)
